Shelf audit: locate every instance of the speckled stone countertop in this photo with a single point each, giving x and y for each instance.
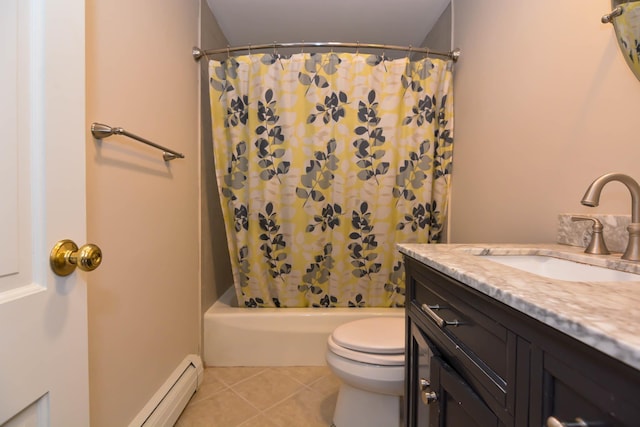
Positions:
(603, 315)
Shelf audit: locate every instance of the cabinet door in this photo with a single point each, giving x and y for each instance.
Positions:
(419, 356)
(571, 395)
(457, 404)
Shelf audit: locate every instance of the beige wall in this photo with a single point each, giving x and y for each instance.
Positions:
(144, 299)
(216, 266)
(439, 38)
(544, 103)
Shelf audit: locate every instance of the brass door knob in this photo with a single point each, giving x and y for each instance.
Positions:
(65, 257)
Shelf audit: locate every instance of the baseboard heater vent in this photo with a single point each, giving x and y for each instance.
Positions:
(169, 401)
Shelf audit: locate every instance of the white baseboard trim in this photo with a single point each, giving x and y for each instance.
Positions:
(166, 405)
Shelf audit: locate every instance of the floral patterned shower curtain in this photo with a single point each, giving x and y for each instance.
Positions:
(324, 162)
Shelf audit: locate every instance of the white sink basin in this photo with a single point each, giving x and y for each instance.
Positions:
(562, 269)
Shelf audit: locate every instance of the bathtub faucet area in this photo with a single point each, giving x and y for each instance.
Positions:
(592, 198)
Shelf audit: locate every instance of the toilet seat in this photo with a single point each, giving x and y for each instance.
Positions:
(362, 357)
(378, 340)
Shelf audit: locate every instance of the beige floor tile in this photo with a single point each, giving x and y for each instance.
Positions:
(327, 385)
(209, 375)
(223, 409)
(263, 397)
(233, 375)
(305, 409)
(261, 421)
(305, 374)
(267, 388)
(210, 386)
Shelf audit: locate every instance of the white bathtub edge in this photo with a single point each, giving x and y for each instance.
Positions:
(238, 336)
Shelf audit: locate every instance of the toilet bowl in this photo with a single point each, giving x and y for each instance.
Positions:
(368, 357)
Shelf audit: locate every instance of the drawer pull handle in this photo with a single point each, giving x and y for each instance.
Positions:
(439, 320)
(579, 422)
(427, 396)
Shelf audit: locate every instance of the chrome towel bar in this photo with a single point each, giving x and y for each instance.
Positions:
(100, 131)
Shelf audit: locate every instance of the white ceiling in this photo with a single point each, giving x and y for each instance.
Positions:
(393, 22)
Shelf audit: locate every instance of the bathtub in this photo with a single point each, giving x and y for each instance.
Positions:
(238, 336)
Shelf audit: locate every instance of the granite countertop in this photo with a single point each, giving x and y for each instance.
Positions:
(603, 315)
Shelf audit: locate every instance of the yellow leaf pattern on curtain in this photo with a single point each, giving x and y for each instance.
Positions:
(324, 162)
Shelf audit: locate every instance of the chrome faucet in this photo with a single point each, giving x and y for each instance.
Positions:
(592, 198)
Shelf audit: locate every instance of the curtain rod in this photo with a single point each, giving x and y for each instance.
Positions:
(199, 53)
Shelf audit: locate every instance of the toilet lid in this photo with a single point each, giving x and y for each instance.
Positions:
(362, 357)
(377, 335)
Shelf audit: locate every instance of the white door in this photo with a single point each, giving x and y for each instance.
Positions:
(43, 319)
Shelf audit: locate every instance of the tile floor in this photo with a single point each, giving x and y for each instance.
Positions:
(263, 397)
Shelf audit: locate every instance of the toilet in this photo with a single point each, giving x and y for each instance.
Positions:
(368, 357)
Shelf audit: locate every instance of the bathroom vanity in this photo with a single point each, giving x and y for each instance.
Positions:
(492, 345)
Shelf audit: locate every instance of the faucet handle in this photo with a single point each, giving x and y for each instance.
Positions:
(597, 245)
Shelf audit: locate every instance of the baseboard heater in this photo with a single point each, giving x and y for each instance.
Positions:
(169, 401)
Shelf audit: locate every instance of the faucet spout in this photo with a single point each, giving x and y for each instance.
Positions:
(592, 198)
(592, 195)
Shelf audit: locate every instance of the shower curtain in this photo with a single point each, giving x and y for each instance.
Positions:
(324, 162)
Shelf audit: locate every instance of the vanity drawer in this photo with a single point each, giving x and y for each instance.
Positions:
(467, 327)
(455, 319)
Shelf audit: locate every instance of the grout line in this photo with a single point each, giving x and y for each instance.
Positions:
(196, 401)
(228, 386)
(242, 380)
(283, 400)
(300, 388)
(319, 379)
(246, 400)
(250, 419)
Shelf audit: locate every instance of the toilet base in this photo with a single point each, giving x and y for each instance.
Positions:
(361, 408)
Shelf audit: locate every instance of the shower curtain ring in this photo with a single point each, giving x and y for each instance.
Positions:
(274, 48)
(249, 49)
(357, 47)
(409, 52)
(228, 52)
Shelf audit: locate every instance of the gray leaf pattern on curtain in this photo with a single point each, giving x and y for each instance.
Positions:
(324, 162)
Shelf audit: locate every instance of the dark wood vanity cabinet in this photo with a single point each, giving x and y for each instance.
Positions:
(473, 361)
(457, 403)
(569, 395)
